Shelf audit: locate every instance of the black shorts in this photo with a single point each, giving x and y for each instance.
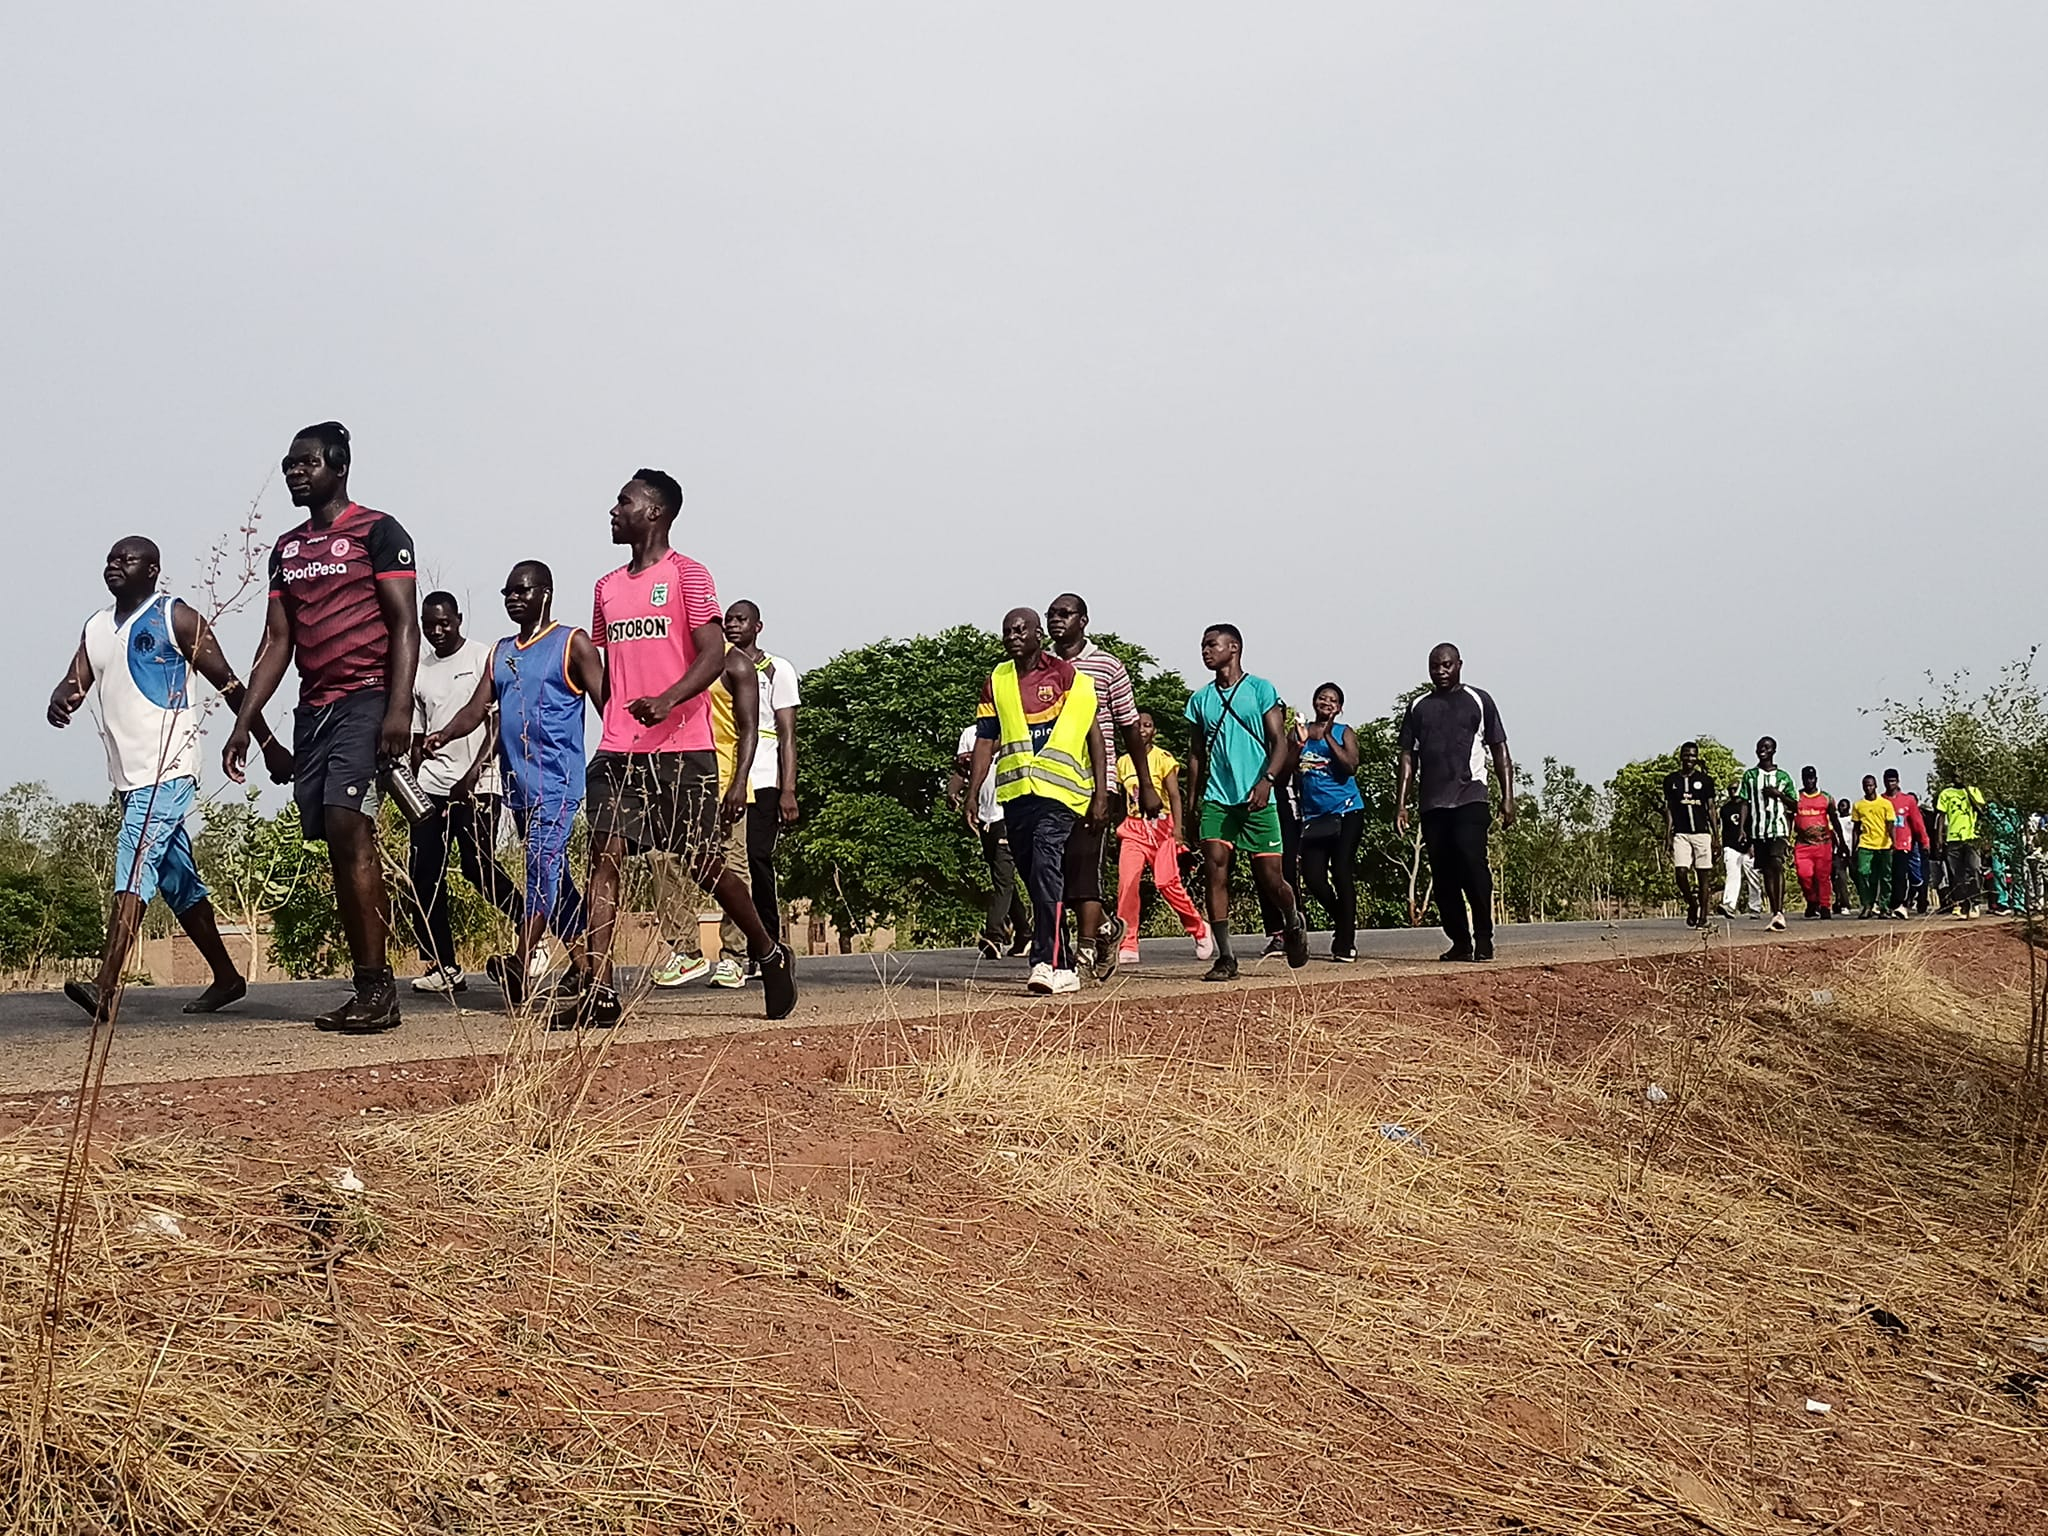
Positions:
(334, 758)
(1084, 862)
(1769, 853)
(657, 802)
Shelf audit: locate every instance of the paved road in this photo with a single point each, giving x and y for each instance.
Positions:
(42, 1036)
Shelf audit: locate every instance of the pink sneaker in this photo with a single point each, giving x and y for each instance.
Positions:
(1205, 943)
(1127, 957)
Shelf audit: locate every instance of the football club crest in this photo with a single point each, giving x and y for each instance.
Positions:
(339, 549)
(659, 596)
(291, 550)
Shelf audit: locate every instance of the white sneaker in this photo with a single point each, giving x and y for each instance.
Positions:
(1041, 979)
(442, 980)
(1777, 922)
(678, 970)
(1066, 981)
(541, 962)
(1899, 912)
(1205, 943)
(728, 975)
(1127, 958)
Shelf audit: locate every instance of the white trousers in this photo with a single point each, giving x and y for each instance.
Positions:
(1743, 878)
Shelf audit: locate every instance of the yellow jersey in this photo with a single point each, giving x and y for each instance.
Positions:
(1873, 820)
(1163, 767)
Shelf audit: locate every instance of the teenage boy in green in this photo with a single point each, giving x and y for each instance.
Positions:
(1237, 752)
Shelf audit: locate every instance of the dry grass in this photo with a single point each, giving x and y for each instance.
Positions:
(1544, 1303)
(1550, 1302)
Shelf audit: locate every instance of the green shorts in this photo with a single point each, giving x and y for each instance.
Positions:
(1252, 831)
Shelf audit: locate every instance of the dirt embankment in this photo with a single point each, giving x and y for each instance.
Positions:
(1670, 1245)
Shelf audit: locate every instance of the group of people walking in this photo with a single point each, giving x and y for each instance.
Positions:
(696, 766)
(1897, 855)
(1038, 770)
(695, 760)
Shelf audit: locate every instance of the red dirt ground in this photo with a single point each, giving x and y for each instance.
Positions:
(1122, 1420)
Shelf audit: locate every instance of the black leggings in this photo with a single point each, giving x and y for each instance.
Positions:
(764, 828)
(472, 826)
(1456, 840)
(1317, 858)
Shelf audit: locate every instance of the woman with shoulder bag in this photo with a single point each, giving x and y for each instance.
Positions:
(1332, 816)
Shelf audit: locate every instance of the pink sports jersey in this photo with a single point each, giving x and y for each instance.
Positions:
(643, 624)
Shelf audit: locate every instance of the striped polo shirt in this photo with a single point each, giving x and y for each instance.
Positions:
(1116, 702)
(1767, 814)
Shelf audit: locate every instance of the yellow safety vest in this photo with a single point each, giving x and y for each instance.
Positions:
(1060, 769)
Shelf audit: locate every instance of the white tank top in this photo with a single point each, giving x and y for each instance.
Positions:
(147, 713)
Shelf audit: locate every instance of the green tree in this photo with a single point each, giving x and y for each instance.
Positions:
(878, 846)
(1554, 860)
(56, 871)
(1640, 854)
(1996, 740)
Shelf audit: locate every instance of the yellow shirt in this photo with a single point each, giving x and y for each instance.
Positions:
(724, 734)
(1163, 767)
(1873, 820)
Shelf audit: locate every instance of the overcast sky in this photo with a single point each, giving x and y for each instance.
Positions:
(1680, 363)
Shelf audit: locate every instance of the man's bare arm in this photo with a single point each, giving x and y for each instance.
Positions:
(71, 688)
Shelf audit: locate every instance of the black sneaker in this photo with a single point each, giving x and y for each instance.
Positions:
(510, 977)
(1276, 944)
(87, 996)
(1457, 953)
(1295, 940)
(370, 1011)
(566, 993)
(778, 982)
(1020, 946)
(990, 949)
(1344, 956)
(586, 1008)
(218, 996)
(1482, 950)
(1108, 946)
(1224, 969)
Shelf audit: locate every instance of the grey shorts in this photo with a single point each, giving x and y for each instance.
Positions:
(334, 758)
(658, 802)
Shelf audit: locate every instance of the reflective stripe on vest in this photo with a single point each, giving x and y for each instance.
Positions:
(1060, 769)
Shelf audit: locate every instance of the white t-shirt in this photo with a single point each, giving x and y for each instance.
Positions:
(778, 691)
(988, 808)
(441, 686)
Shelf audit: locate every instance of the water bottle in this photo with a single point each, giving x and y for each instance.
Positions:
(405, 790)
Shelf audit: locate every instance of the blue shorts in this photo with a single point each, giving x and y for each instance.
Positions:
(549, 888)
(153, 855)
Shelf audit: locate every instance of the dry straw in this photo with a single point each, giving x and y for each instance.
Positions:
(1352, 1271)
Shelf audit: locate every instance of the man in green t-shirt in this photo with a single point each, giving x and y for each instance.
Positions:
(1238, 747)
(1769, 798)
(1961, 807)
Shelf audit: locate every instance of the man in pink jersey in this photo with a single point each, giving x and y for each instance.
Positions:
(653, 785)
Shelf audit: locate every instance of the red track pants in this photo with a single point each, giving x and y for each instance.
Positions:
(1816, 865)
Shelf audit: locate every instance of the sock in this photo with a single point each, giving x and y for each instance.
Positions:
(1221, 933)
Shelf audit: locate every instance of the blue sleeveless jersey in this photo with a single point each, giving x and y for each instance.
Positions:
(540, 720)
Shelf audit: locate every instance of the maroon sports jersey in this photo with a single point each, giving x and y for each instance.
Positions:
(327, 579)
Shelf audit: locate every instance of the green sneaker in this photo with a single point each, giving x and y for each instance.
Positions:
(678, 970)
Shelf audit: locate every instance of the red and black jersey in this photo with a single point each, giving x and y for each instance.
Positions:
(327, 579)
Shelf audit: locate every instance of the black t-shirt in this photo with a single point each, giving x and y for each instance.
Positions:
(1690, 798)
(1731, 826)
(1451, 736)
